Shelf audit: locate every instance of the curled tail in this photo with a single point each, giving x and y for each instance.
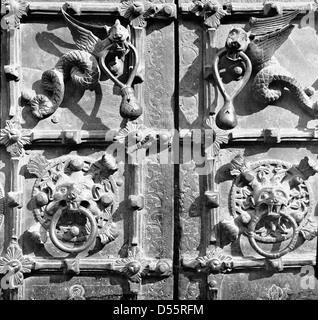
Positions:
(269, 83)
(80, 66)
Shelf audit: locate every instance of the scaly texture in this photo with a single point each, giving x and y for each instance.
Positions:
(269, 83)
(82, 67)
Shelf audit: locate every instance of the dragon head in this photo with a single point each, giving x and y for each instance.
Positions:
(237, 40)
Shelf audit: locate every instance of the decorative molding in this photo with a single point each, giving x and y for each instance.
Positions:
(134, 137)
(212, 11)
(71, 266)
(134, 265)
(215, 261)
(273, 135)
(162, 10)
(13, 265)
(257, 8)
(138, 12)
(14, 137)
(219, 137)
(68, 186)
(13, 10)
(95, 266)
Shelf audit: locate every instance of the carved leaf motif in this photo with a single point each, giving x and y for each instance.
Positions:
(215, 20)
(137, 12)
(309, 230)
(13, 265)
(37, 165)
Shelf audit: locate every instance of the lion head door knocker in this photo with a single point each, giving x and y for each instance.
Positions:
(74, 199)
(271, 203)
(259, 41)
(84, 66)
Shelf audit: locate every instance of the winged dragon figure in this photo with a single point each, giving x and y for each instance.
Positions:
(97, 46)
(259, 41)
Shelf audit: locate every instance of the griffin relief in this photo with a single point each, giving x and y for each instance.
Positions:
(101, 52)
(255, 46)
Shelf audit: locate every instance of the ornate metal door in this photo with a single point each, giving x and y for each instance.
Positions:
(158, 150)
(248, 212)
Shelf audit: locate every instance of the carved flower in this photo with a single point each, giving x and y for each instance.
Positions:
(137, 12)
(134, 137)
(219, 137)
(132, 130)
(211, 11)
(216, 261)
(135, 265)
(13, 265)
(14, 137)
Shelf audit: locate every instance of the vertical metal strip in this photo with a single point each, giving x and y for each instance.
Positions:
(210, 98)
(14, 60)
(138, 40)
(176, 205)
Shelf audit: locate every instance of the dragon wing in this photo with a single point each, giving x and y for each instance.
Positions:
(269, 35)
(83, 37)
(262, 49)
(261, 26)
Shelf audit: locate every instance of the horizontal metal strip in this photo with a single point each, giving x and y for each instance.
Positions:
(73, 136)
(288, 262)
(95, 8)
(243, 264)
(95, 265)
(107, 136)
(257, 7)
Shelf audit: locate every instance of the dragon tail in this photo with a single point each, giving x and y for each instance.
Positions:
(270, 82)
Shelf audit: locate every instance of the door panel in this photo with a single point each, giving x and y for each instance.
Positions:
(233, 243)
(85, 217)
(121, 175)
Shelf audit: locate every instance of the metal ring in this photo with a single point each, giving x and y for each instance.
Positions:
(276, 255)
(80, 248)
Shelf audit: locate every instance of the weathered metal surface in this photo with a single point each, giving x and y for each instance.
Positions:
(208, 200)
(121, 175)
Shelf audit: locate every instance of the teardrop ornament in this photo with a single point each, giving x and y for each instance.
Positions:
(226, 119)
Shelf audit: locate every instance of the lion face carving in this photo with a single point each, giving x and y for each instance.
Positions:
(71, 194)
(270, 199)
(74, 201)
